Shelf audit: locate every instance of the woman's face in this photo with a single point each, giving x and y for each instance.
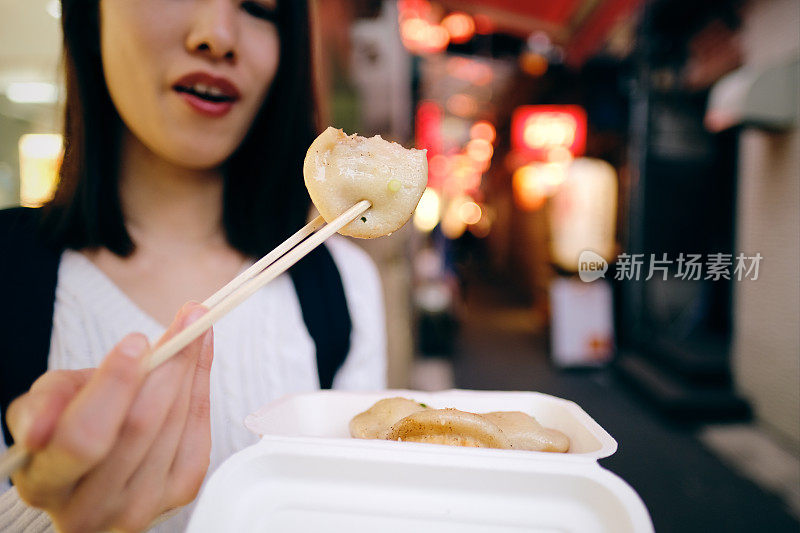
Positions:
(188, 76)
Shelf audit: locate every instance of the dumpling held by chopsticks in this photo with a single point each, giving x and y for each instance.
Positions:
(340, 170)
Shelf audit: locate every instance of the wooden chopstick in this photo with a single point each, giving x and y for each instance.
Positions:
(264, 262)
(224, 300)
(12, 460)
(245, 290)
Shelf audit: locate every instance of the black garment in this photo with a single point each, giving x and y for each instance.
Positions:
(28, 278)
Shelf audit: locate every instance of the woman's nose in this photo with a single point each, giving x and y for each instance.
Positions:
(214, 31)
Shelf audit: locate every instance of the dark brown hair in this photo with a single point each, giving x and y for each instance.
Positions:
(264, 197)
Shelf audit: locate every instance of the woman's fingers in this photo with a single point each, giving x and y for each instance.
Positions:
(149, 487)
(116, 433)
(187, 314)
(191, 461)
(162, 453)
(152, 481)
(145, 418)
(87, 427)
(32, 417)
(163, 388)
(144, 428)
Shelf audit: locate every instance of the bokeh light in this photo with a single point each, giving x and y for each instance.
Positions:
(530, 192)
(421, 37)
(40, 159)
(483, 129)
(460, 26)
(533, 64)
(479, 150)
(426, 216)
(470, 212)
(462, 105)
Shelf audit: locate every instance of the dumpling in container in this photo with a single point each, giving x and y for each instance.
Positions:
(526, 433)
(449, 426)
(374, 422)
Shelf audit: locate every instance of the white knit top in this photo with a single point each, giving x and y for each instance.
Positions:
(262, 351)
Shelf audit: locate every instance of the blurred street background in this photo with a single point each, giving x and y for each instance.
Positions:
(612, 216)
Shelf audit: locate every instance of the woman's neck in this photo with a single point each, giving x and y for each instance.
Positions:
(166, 204)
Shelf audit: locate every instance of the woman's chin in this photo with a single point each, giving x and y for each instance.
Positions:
(201, 162)
(199, 156)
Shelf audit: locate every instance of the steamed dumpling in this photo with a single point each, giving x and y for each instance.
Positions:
(374, 422)
(340, 170)
(526, 433)
(448, 426)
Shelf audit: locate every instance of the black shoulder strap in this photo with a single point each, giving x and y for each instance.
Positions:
(322, 300)
(29, 274)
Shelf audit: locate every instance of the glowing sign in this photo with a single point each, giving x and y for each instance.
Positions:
(583, 213)
(538, 129)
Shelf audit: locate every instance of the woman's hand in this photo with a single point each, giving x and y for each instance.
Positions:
(114, 447)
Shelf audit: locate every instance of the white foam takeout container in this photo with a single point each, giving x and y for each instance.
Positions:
(307, 474)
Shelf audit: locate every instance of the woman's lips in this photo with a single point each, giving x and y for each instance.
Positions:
(206, 107)
(207, 94)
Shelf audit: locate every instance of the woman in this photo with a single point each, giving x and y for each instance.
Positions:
(186, 125)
